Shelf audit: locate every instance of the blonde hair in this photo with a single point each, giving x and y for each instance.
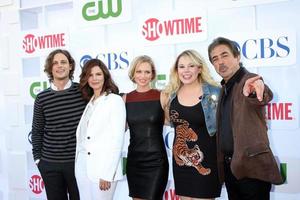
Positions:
(137, 61)
(204, 77)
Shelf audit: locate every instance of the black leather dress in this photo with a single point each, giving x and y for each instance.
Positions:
(147, 163)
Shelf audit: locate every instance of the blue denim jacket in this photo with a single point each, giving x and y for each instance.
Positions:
(209, 104)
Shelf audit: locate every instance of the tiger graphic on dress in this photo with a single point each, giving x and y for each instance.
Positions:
(184, 155)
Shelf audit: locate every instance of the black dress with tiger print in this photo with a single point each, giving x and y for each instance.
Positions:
(194, 153)
(147, 163)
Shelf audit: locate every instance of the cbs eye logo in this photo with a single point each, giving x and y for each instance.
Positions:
(113, 60)
(29, 137)
(84, 59)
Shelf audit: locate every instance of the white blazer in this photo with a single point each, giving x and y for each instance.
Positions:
(104, 139)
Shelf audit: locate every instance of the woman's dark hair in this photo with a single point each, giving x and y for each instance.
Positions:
(108, 86)
(49, 63)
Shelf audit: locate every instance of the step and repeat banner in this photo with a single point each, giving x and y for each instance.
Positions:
(115, 31)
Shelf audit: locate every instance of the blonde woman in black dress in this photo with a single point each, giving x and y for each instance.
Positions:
(147, 162)
(193, 98)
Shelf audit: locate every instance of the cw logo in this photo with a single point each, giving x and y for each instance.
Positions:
(124, 163)
(37, 87)
(91, 11)
(160, 81)
(283, 171)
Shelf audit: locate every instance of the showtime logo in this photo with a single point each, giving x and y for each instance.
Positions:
(36, 184)
(279, 111)
(283, 115)
(31, 42)
(171, 195)
(153, 29)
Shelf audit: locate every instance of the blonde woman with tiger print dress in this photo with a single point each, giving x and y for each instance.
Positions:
(192, 108)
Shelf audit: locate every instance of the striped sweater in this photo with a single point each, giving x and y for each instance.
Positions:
(55, 118)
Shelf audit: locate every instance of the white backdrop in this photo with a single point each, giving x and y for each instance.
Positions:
(267, 32)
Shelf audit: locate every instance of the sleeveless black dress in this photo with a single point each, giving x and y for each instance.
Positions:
(194, 153)
(147, 163)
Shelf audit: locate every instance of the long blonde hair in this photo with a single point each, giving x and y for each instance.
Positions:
(204, 77)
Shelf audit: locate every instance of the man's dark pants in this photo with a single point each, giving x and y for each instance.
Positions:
(59, 179)
(246, 188)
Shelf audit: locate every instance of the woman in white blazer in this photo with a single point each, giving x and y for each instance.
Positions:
(100, 134)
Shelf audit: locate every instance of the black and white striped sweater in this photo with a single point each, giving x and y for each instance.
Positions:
(55, 119)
